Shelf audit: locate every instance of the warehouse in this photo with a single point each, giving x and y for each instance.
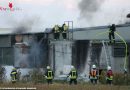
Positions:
(83, 47)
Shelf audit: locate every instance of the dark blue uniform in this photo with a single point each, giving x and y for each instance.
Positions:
(111, 33)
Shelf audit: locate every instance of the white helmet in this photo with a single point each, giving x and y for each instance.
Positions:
(109, 68)
(93, 66)
(14, 68)
(48, 67)
(72, 67)
(125, 69)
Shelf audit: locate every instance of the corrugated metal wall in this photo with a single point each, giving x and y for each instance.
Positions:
(6, 50)
(5, 41)
(79, 54)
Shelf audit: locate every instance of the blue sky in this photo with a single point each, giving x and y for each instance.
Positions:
(47, 13)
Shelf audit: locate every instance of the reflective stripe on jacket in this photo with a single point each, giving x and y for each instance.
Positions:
(73, 74)
(49, 75)
(93, 74)
(56, 29)
(110, 78)
(65, 28)
(109, 75)
(13, 72)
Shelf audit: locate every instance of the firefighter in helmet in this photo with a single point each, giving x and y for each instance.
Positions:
(109, 75)
(73, 76)
(93, 75)
(13, 75)
(56, 31)
(64, 31)
(111, 33)
(49, 75)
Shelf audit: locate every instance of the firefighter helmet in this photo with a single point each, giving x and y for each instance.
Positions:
(14, 69)
(109, 68)
(94, 66)
(125, 69)
(48, 67)
(72, 68)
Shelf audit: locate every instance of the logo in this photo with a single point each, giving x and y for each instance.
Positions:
(10, 7)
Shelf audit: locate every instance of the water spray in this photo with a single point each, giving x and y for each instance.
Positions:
(126, 50)
(126, 46)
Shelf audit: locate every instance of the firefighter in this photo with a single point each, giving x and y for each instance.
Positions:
(111, 33)
(109, 75)
(13, 75)
(49, 75)
(93, 75)
(64, 31)
(73, 76)
(56, 31)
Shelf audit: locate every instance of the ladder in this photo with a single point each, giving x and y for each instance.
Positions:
(107, 52)
(70, 25)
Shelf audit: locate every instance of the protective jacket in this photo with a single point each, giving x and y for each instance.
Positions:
(109, 75)
(93, 74)
(13, 75)
(49, 74)
(73, 74)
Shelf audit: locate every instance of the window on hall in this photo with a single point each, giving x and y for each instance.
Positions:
(119, 50)
(6, 56)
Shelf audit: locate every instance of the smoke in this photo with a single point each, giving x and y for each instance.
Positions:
(36, 53)
(20, 30)
(128, 15)
(26, 24)
(89, 7)
(103, 12)
(30, 53)
(21, 58)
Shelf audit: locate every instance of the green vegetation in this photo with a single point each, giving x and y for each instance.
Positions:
(118, 79)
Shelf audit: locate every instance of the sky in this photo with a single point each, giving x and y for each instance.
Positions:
(47, 13)
(38, 13)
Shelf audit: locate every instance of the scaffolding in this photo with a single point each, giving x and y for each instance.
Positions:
(70, 32)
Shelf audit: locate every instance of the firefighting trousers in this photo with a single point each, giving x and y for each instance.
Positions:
(49, 81)
(56, 35)
(109, 81)
(64, 35)
(112, 37)
(93, 81)
(73, 81)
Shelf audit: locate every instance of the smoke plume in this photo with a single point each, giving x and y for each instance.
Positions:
(36, 53)
(89, 7)
(103, 12)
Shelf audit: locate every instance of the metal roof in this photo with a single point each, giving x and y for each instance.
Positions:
(48, 30)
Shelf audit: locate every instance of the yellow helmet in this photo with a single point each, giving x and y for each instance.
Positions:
(14, 69)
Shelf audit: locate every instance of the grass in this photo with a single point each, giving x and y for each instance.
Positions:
(57, 86)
